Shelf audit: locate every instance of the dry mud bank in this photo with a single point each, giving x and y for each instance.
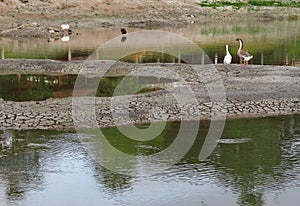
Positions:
(251, 91)
(96, 14)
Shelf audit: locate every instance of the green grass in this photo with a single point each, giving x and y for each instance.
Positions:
(223, 3)
(274, 3)
(239, 4)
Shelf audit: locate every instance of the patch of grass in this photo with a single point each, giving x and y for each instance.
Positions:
(239, 4)
(214, 5)
(215, 31)
(273, 3)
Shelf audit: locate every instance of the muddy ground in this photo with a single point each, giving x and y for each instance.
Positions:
(96, 14)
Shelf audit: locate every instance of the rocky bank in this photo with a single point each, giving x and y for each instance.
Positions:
(251, 91)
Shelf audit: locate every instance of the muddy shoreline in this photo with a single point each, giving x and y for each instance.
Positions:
(251, 91)
(15, 19)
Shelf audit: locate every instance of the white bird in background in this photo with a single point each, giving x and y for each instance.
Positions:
(228, 57)
(65, 26)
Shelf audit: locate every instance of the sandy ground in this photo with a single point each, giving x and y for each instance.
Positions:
(102, 13)
(95, 14)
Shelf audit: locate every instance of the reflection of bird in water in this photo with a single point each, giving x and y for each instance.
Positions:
(228, 57)
(65, 38)
(243, 54)
(6, 140)
(123, 39)
(124, 32)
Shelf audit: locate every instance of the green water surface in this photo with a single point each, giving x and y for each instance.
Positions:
(255, 163)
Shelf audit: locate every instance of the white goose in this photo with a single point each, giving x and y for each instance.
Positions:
(246, 56)
(228, 57)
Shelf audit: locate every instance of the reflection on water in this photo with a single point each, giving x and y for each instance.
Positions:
(52, 168)
(272, 42)
(30, 87)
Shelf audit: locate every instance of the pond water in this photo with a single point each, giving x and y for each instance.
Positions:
(271, 42)
(256, 162)
(37, 87)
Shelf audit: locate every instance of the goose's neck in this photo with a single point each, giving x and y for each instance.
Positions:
(241, 45)
(227, 49)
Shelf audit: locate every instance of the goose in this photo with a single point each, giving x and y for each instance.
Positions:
(246, 56)
(228, 57)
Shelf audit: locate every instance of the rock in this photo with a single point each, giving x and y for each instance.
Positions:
(24, 1)
(234, 141)
(38, 146)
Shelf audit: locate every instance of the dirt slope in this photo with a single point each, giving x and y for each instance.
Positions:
(143, 13)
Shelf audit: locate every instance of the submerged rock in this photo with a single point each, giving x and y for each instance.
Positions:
(234, 141)
(147, 147)
(38, 146)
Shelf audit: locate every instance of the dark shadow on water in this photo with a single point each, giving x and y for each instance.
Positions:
(37, 87)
